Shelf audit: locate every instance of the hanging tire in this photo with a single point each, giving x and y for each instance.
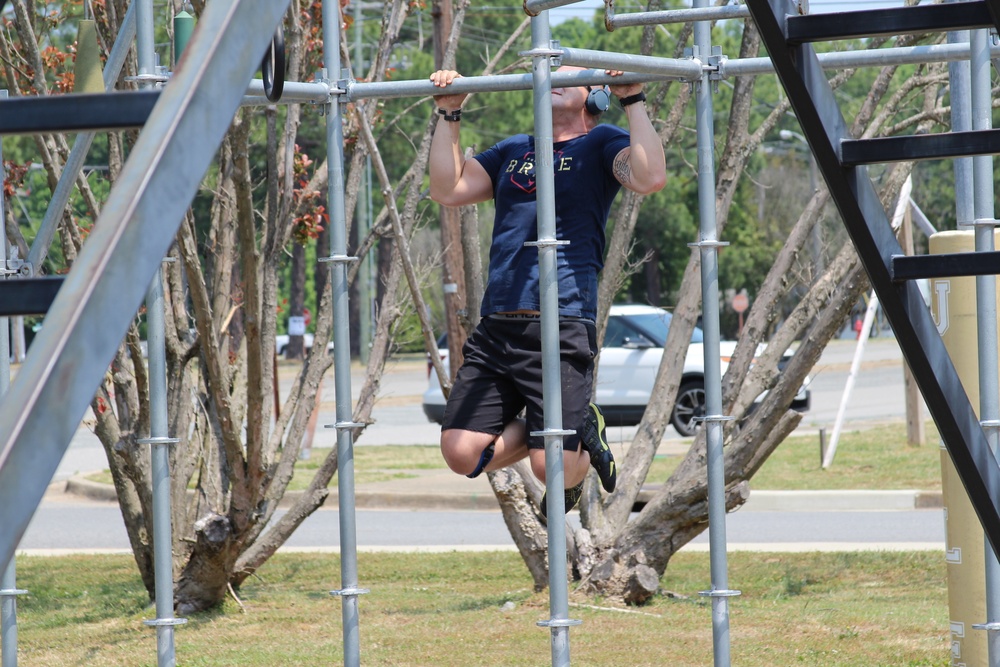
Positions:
(689, 407)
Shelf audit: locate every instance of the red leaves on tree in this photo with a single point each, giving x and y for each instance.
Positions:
(311, 222)
(14, 178)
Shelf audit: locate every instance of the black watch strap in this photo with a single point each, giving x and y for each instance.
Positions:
(632, 99)
(452, 116)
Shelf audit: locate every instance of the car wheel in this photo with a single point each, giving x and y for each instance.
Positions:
(689, 406)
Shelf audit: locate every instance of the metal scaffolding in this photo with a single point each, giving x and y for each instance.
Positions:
(140, 219)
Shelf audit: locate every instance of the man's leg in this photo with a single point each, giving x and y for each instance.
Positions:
(465, 452)
(575, 465)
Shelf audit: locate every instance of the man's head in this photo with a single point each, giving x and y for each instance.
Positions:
(590, 101)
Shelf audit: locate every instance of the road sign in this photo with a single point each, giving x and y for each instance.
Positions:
(740, 302)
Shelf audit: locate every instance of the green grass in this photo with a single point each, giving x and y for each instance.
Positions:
(372, 464)
(876, 458)
(863, 609)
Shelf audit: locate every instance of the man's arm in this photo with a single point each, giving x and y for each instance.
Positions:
(642, 166)
(455, 181)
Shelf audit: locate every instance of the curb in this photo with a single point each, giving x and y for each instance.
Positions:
(759, 501)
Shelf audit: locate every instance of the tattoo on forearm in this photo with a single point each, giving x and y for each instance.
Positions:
(623, 169)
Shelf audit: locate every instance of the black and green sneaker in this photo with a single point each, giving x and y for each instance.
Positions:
(571, 497)
(594, 439)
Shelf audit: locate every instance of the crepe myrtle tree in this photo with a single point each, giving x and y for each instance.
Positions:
(237, 449)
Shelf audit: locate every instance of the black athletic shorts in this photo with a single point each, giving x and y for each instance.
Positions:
(502, 375)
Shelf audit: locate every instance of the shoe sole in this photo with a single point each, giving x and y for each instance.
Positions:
(608, 474)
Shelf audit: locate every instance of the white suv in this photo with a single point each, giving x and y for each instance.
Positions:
(633, 346)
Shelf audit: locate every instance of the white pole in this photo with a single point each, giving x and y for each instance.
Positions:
(859, 352)
(897, 220)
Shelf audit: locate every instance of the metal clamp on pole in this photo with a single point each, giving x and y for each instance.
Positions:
(339, 259)
(716, 63)
(546, 243)
(559, 623)
(346, 426)
(708, 244)
(552, 431)
(714, 418)
(151, 79)
(989, 627)
(985, 222)
(554, 53)
(15, 266)
(12, 592)
(350, 592)
(158, 441)
(165, 622)
(720, 594)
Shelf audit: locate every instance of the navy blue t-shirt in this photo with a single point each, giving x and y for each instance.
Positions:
(585, 186)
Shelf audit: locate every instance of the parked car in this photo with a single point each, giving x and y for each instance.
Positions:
(281, 343)
(633, 347)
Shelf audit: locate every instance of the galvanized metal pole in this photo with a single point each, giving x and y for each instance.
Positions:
(159, 441)
(548, 285)
(986, 308)
(339, 260)
(708, 244)
(8, 578)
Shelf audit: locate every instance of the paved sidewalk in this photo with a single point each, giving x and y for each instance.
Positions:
(444, 490)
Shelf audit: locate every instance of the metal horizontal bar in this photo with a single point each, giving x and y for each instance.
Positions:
(294, 91)
(76, 113)
(901, 55)
(887, 22)
(689, 70)
(533, 7)
(950, 265)
(677, 16)
(854, 152)
(28, 296)
(490, 84)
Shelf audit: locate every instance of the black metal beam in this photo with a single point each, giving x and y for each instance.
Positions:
(919, 147)
(27, 296)
(947, 265)
(994, 8)
(855, 196)
(76, 113)
(884, 22)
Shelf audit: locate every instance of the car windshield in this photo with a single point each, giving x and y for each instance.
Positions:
(656, 325)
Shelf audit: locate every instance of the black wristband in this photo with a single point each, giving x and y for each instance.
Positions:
(632, 99)
(451, 116)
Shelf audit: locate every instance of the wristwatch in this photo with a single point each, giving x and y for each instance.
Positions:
(451, 116)
(632, 99)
